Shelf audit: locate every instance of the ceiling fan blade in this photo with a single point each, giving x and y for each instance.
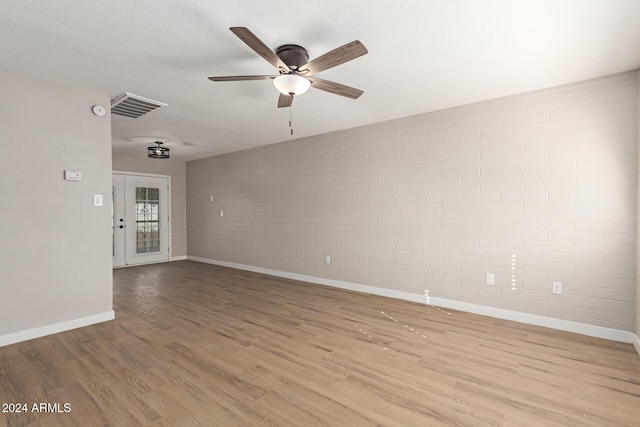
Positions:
(239, 78)
(284, 101)
(336, 57)
(259, 47)
(337, 88)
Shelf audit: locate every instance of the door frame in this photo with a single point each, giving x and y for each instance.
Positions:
(169, 215)
(118, 243)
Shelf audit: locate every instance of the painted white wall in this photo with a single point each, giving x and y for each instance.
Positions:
(176, 169)
(431, 203)
(55, 251)
(637, 295)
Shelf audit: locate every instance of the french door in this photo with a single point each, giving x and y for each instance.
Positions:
(140, 219)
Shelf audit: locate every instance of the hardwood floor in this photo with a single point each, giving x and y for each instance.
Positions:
(200, 345)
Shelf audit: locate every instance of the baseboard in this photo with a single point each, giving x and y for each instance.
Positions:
(317, 280)
(171, 259)
(531, 319)
(29, 334)
(537, 320)
(636, 343)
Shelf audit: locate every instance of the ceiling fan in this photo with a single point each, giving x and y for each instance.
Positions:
(295, 69)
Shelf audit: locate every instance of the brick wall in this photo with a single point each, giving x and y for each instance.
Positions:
(533, 188)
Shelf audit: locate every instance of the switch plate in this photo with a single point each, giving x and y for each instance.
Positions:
(490, 279)
(557, 288)
(327, 259)
(98, 200)
(221, 213)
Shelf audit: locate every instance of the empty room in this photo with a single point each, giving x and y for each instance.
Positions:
(401, 213)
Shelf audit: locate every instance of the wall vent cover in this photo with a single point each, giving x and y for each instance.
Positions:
(134, 106)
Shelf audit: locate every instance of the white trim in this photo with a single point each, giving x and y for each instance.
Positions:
(636, 343)
(317, 280)
(153, 175)
(178, 258)
(531, 319)
(29, 334)
(537, 320)
(162, 261)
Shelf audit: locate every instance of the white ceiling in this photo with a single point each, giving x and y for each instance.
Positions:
(424, 55)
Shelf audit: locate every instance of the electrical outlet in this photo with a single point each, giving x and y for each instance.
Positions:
(557, 288)
(490, 279)
(221, 213)
(327, 259)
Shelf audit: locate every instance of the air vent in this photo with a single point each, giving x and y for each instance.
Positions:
(134, 106)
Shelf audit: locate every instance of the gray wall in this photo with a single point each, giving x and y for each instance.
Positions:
(431, 203)
(55, 252)
(176, 169)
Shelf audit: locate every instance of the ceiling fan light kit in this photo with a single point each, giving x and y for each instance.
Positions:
(291, 84)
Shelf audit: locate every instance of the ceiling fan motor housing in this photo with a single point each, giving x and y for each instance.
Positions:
(293, 55)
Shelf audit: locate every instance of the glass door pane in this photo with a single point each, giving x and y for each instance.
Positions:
(147, 220)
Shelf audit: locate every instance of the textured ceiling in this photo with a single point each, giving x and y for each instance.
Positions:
(424, 55)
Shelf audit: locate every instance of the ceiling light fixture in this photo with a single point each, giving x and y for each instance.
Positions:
(158, 152)
(291, 84)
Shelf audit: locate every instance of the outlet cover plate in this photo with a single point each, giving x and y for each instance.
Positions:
(490, 279)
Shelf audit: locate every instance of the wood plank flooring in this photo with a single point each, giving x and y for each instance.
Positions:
(201, 345)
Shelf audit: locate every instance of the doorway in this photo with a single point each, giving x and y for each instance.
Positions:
(140, 219)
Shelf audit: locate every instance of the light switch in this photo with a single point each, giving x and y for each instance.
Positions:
(98, 200)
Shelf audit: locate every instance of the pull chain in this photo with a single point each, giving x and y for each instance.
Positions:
(291, 118)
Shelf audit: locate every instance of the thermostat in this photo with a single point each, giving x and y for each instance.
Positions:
(98, 110)
(73, 175)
